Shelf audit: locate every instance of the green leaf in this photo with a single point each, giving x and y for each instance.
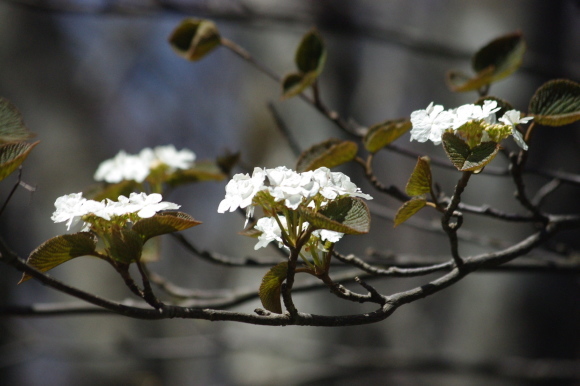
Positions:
(59, 250)
(163, 223)
(556, 103)
(202, 171)
(330, 153)
(384, 133)
(12, 155)
(310, 57)
(195, 38)
(311, 53)
(408, 209)
(420, 180)
(348, 215)
(495, 61)
(270, 288)
(12, 127)
(295, 83)
(125, 246)
(465, 158)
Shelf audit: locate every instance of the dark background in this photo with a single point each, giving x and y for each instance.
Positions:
(94, 77)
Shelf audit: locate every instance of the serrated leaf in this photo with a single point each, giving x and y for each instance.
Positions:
(495, 61)
(556, 103)
(202, 171)
(311, 53)
(420, 181)
(195, 38)
(384, 133)
(270, 288)
(330, 153)
(125, 246)
(60, 249)
(408, 209)
(163, 223)
(348, 215)
(12, 127)
(465, 158)
(12, 155)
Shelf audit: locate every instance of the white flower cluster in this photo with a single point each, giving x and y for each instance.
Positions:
(137, 167)
(431, 123)
(72, 207)
(271, 232)
(288, 186)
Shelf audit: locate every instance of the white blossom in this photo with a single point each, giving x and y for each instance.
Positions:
(172, 158)
(466, 113)
(512, 118)
(270, 231)
(287, 186)
(241, 189)
(122, 167)
(429, 124)
(73, 207)
(137, 167)
(334, 184)
(69, 208)
(328, 235)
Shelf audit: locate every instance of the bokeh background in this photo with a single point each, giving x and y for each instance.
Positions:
(94, 77)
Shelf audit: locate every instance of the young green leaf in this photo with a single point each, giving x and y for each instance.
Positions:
(310, 57)
(270, 288)
(495, 61)
(408, 209)
(12, 127)
(311, 53)
(59, 250)
(163, 223)
(125, 246)
(382, 134)
(348, 215)
(330, 153)
(465, 158)
(556, 103)
(420, 181)
(195, 38)
(12, 155)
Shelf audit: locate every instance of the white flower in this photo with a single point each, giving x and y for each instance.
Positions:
(169, 156)
(122, 167)
(144, 205)
(270, 231)
(69, 208)
(429, 124)
(137, 167)
(289, 186)
(240, 191)
(512, 118)
(328, 235)
(334, 184)
(488, 111)
(72, 207)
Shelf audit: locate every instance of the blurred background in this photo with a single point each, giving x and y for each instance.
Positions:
(94, 77)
